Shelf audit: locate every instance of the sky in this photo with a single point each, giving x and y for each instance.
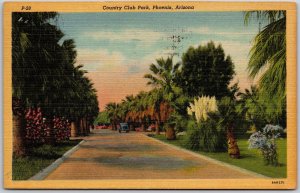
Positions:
(117, 48)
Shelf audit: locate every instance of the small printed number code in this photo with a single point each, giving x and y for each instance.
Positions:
(26, 8)
(277, 182)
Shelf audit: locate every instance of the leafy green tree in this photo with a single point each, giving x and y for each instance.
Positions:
(206, 71)
(102, 118)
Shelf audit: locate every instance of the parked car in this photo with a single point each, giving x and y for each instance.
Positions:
(123, 127)
(138, 129)
(151, 128)
(101, 127)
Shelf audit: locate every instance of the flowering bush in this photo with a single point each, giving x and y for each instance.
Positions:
(62, 129)
(36, 129)
(265, 141)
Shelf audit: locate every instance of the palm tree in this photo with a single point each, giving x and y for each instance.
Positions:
(163, 76)
(127, 108)
(268, 53)
(29, 55)
(112, 110)
(156, 98)
(259, 110)
(230, 120)
(44, 74)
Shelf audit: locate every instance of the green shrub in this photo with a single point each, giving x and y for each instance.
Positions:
(192, 139)
(206, 136)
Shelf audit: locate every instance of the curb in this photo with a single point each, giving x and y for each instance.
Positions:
(41, 175)
(245, 171)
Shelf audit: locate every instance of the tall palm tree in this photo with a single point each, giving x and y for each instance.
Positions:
(156, 98)
(112, 110)
(163, 73)
(127, 108)
(44, 74)
(268, 53)
(163, 76)
(29, 55)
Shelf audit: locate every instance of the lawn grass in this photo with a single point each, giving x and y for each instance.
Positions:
(38, 158)
(251, 159)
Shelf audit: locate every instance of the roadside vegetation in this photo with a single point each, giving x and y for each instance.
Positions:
(250, 159)
(197, 100)
(38, 158)
(194, 101)
(52, 99)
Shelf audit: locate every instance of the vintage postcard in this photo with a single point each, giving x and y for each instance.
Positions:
(150, 95)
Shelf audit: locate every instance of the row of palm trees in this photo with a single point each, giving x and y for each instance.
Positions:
(153, 107)
(45, 76)
(142, 110)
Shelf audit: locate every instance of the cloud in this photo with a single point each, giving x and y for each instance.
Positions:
(127, 35)
(100, 59)
(230, 34)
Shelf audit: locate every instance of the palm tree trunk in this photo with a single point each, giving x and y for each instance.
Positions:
(157, 132)
(74, 132)
(18, 127)
(131, 127)
(18, 135)
(84, 128)
(143, 126)
(87, 125)
(170, 132)
(233, 149)
(81, 127)
(51, 138)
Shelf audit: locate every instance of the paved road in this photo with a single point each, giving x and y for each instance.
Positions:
(109, 155)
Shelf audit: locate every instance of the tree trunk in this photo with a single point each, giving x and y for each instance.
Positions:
(18, 135)
(88, 126)
(143, 127)
(233, 149)
(77, 127)
(84, 126)
(114, 127)
(131, 127)
(157, 132)
(81, 127)
(50, 139)
(170, 132)
(18, 129)
(74, 132)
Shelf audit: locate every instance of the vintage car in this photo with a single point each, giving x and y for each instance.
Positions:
(123, 127)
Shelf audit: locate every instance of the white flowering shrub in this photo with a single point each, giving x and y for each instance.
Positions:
(202, 106)
(265, 141)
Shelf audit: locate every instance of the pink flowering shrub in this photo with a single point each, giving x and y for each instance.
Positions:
(62, 129)
(37, 131)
